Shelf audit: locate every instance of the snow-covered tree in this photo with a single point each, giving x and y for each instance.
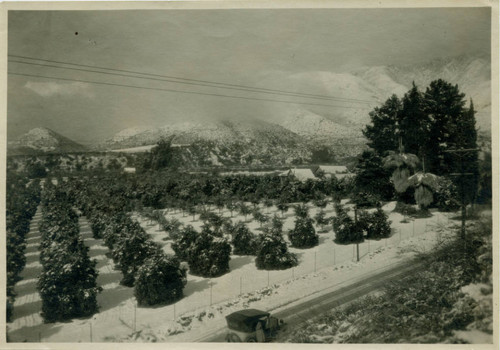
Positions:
(160, 279)
(186, 238)
(208, 255)
(273, 253)
(346, 230)
(303, 234)
(244, 241)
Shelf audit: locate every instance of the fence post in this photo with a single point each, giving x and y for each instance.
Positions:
(210, 282)
(135, 316)
(314, 261)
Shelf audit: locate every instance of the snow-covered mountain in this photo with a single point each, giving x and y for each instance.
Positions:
(222, 132)
(471, 74)
(43, 140)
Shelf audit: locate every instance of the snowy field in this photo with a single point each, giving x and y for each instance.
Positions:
(207, 301)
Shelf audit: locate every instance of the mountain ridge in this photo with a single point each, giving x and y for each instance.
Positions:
(43, 140)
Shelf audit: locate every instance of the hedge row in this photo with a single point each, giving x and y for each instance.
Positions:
(67, 284)
(369, 225)
(157, 278)
(22, 200)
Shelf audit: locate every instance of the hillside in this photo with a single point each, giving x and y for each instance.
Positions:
(471, 74)
(43, 140)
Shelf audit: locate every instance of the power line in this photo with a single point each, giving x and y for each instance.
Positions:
(189, 81)
(179, 91)
(167, 80)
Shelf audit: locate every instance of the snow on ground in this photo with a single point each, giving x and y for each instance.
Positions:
(207, 301)
(138, 149)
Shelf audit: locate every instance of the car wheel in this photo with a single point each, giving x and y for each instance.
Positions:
(251, 340)
(233, 338)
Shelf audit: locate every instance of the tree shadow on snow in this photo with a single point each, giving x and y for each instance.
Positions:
(195, 286)
(109, 298)
(239, 261)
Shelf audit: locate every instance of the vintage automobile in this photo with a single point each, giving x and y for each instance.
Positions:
(251, 325)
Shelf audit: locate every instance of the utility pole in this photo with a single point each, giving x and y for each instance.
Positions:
(460, 152)
(356, 221)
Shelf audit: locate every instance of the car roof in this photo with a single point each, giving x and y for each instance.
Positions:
(246, 315)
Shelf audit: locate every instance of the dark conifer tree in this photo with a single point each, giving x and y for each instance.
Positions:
(383, 131)
(443, 104)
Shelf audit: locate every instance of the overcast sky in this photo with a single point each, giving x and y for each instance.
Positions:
(233, 46)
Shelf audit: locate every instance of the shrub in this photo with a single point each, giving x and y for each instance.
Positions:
(258, 216)
(405, 209)
(321, 203)
(98, 223)
(131, 250)
(446, 195)
(346, 230)
(209, 256)
(303, 235)
(301, 210)
(181, 245)
(377, 225)
(172, 226)
(244, 241)
(275, 226)
(321, 219)
(365, 200)
(159, 280)
(273, 253)
(67, 284)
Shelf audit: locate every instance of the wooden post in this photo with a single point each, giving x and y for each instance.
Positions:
(210, 292)
(314, 261)
(135, 317)
(357, 251)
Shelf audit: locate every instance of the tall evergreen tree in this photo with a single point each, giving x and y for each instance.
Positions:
(371, 177)
(464, 136)
(415, 124)
(383, 133)
(443, 104)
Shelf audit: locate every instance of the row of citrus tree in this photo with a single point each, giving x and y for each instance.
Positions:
(67, 284)
(21, 203)
(156, 277)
